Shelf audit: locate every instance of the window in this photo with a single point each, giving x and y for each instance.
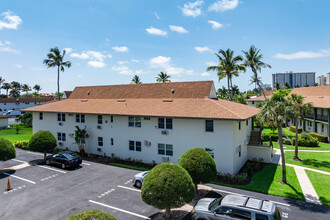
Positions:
(41, 116)
(239, 151)
(322, 128)
(80, 118)
(111, 118)
(252, 102)
(99, 119)
(61, 136)
(239, 125)
(309, 123)
(135, 146)
(134, 121)
(209, 125)
(146, 118)
(60, 117)
(235, 213)
(165, 149)
(111, 141)
(100, 141)
(165, 123)
(210, 151)
(247, 122)
(261, 217)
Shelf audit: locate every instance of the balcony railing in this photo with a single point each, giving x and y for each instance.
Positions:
(311, 116)
(322, 117)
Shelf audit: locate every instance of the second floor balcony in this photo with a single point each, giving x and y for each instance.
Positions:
(322, 117)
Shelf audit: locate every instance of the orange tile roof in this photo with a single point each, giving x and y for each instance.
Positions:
(319, 96)
(189, 100)
(268, 94)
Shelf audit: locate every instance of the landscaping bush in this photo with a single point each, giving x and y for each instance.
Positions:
(7, 150)
(22, 144)
(57, 150)
(306, 141)
(287, 141)
(293, 129)
(320, 137)
(92, 215)
(267, 137)
(43, 141)
(167, 186)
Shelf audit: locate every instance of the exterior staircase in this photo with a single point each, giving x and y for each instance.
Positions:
(255, 138)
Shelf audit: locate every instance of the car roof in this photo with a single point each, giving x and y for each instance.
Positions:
(248, 202)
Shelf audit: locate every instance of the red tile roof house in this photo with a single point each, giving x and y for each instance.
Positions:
(7, 104)
(319, 120)
(154, 122)
(254, 101)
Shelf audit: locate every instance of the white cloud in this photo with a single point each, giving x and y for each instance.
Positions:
(205, 74)
(141, 72)
(223, 5)
(178, 29)
(68, 50)
(96, 64)
(164, 63)
(120, 49)
(160, 61)
(304, 55)
(156, 15)
(135, 61)
(122, 70)
(156, 31)
(10, 20)
(19, 66)
(215, 25)
(202, 49)
(211, 63)
(192, 8)
(122, 62)
(5, 47)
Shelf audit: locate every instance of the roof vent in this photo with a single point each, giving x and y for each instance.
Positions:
(167, 100)
(88, 92)
(84, 100)
(172, 90)
(121, 100)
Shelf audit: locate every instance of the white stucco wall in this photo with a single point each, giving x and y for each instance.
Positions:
(253, 104)
(186, 134)
(5, 107)
(257, 152)
(3, 122)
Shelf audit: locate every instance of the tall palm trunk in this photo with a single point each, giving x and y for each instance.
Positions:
(280, 140)
(58, 83)
(229, 90)
(296, 142)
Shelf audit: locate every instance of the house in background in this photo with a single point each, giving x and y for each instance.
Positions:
(154, 122)
(3, 121)
(66, 94)
(319, 120)
(256, 100)
(7, 104)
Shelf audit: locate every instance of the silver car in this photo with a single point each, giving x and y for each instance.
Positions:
(138, 179)
(235, 207)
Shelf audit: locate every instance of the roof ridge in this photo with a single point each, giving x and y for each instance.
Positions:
(226, 107)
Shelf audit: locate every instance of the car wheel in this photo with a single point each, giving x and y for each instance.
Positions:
(47, 162)
(63, 166)
(138, 184)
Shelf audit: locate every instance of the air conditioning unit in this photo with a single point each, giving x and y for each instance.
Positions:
(165, 159)
(99, 127)
(99, 149)
(106, 121)
(147, 143)
(60, 123)
(164, 132)
(60, 143)
(71, 135)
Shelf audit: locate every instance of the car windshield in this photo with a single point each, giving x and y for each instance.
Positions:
(70, 155)
(215, 203)
(145, 174)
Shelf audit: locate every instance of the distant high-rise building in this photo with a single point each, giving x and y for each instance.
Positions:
(323, 80)
(294, 79)
(327, 79)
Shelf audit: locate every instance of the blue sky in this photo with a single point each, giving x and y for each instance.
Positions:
(111, 41)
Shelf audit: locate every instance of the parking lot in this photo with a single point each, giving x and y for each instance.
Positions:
(45, 192)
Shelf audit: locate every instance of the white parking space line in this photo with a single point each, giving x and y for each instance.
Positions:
(34, 153)
(86, 163)
(60, 171)
(17, 177)
(280, 203)
(118, 209)
(124, 187)
(21, 161)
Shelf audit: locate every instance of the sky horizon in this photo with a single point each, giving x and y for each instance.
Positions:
(108, 42)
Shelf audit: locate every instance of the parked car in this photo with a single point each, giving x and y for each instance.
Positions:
(138, 179)
(12, 113)
(235, 207)
(64, 159)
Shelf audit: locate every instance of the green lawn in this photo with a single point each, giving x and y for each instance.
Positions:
(320, 161)
(10, 134)
(267, 181)
(322, 146)
(321, 183)
(269, 131)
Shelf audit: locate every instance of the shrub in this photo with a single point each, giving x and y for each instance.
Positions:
(57, 150)
(7, 150)
(293, 129)
(22, 144)
(287, 141)
(267, 137)
(167, 186)
(320, 137)
(199, 164)
(43, 141)
(92, 215)
(306, 141)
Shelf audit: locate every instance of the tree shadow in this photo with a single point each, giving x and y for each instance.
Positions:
(315, 163)
(309, 207)
(7, 171)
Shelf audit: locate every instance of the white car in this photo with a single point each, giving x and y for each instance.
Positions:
(13, 113)
(138, 179)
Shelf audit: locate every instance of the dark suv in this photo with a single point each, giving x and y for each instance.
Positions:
(64, 159)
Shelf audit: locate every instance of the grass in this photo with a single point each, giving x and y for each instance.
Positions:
(321, 183)
(129, 167)
(287, 131)
(315, 160)
(24, 135)
(322, 146)
(268, 181)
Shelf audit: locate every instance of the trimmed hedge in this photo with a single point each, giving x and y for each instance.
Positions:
(43, 141)
(320, 137)
(293, 129)
(7, 150)
(92, 215)
(22, 144)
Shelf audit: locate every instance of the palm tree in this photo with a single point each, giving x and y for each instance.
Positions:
(55, 59)
(222, 92)
(277, 109)
(255, 79)
(235, 90)
(229, 66)
(2, 80)
(163, 77)
(16, 85)
(14, 93)
(37, 88)
(277, 86)
(80, 136)
(253, 59)
(15, 89)
(26, 88)
(299, 111)
(136, 80)
(6, 86)
(287, 85)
